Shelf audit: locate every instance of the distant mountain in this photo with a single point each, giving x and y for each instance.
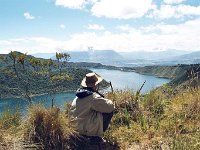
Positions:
(189, 58)
(130, 59)
(145, 55)
(193, 55)
(106, 55)
(97, 56)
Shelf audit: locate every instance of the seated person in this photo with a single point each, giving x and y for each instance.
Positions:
(91, 112)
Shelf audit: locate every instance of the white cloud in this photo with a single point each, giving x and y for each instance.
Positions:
(62, 26)
(173, 1)
(188, 10)
(73, 4)
(93, 1)
(130, 9)
(96, 27)
(121, 9)
(185, 36)
(169, 11)
(165, 11)
(30, 45)
(27, 15)
(128, 29)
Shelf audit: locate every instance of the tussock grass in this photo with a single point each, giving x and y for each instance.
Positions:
(155, 119)
(44, 128)
(9, 123)
(9, 119)
(49, 127)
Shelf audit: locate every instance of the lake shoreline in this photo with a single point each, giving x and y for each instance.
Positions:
(109, 68)
(121, 80)
(130, 69)
(35, 95)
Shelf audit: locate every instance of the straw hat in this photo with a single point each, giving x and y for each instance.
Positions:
(91, 79)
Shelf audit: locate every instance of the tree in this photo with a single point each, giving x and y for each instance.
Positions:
(21, 73)
(33, 74)
(62, 59)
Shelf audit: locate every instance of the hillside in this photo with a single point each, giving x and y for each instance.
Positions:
(39, 79)
(11, 87)
(182, 75)
(163, 71)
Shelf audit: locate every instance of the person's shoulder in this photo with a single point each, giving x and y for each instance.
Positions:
(96, 95)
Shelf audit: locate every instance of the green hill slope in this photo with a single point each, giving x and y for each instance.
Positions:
(181, 74)
(39, 79)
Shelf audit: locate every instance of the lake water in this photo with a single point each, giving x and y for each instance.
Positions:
(131, 80)
(119, 79)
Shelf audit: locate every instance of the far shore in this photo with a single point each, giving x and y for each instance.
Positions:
(129, 69)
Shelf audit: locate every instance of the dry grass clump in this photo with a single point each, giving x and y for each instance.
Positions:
(9, 119)
(182, 120)
(9, 122)
(49, 127)
(124, 122)
(155, 119)
(4, 142)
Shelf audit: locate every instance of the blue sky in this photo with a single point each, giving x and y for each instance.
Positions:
(35, 26)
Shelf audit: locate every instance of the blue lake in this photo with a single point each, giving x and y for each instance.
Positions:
(131, 80)
(119, 79)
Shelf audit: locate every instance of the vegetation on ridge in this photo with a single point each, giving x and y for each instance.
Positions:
(25, 75)
(155, 120)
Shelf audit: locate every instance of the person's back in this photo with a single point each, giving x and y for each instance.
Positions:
(88, 108)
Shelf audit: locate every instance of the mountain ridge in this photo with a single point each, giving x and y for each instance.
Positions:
(137, 58)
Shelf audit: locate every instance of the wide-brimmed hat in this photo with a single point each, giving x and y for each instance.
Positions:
(91, 79)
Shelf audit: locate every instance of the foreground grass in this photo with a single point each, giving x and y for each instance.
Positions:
(153, 120)
(43, 128)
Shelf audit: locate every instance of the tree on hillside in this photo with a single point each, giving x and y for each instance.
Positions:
(30, 71)
(62, 59)
(21, 73)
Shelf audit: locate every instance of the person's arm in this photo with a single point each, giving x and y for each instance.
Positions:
(102, 104)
